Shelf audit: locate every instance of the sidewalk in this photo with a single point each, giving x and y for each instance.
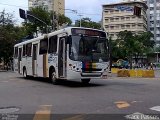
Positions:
(157, 73)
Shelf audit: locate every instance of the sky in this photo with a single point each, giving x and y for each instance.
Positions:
(86, 8)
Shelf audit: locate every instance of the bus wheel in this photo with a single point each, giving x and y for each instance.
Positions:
(52, 77)
(85, 81)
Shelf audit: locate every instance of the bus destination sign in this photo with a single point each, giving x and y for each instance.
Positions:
(76, 31)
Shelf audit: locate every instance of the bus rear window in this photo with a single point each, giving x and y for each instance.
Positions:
(43, 46)
(15, 52)
(28, 49)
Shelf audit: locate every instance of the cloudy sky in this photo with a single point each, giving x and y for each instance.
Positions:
(88, 8)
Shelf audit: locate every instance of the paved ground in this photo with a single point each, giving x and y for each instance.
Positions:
(101, 99)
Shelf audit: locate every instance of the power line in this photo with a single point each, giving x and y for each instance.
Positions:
(89, 14)
(66, 9)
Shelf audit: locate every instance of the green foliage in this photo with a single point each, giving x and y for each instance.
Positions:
(86, 22)
(128, 45)
(62, 19)
(47, 17)
(31, 24)
(8, 36)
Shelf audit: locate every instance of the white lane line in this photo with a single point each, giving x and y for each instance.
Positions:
(156, 108)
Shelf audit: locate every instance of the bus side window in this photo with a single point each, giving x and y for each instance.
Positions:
(28, 49)
(43, 46)
(15, 52)
(53, 44)
(24, 50)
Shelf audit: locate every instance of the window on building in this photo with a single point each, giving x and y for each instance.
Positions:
(151, 29)
(112, 19)
(133, 17)
(117, 27)
(53, 44)
(106, 26)
(140, 26)
(127, 26)
(158, 1)
(158, 22)
(112, 34)
(158, 8)
(151, 8)
(152, 22)
(122, 26)
(106, 11)
(151, 1)
(43, 46)
(151, 17)
(157, 35)
(117, 11)
(112, 27)
(106, 20)
(133, 26)
(111, 11)
(127, 18)
(117, 19)
(122, 18)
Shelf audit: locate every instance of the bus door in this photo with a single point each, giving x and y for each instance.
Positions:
(62, 57)
(20, 60)
(34, 59)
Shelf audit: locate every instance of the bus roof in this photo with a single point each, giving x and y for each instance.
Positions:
(67, 30)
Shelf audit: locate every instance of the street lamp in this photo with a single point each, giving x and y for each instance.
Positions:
(80, 25)
(109, 41)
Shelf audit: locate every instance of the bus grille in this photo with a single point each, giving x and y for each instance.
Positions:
(90, 70)
(91, 74)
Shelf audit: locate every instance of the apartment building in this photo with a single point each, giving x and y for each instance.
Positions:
(57, 6)
(154, 19)
(119, 17)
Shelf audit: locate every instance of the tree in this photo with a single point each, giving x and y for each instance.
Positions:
(130, 45)
(86, 22)
(8, 36)
(62, 19)
(50, 19)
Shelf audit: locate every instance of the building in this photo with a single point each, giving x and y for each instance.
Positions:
(154, 19)
(119, 17)
(57, 6)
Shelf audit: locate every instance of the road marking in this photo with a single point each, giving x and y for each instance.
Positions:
(77, 117)
(136, 101)
(156, 108)
(5, 81)
(122, 104)
(135, 116)
(44, 113)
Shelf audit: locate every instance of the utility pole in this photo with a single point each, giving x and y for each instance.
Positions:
(80, 21)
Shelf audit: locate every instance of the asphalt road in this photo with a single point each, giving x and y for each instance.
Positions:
(113, 97)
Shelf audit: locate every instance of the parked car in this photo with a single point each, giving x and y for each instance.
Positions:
(121, 64)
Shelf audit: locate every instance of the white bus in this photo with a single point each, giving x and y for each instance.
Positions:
(71, 53)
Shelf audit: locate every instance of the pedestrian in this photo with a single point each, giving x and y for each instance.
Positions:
(151, 66)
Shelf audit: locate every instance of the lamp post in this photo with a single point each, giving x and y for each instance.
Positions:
(80, 21)
(109, 41)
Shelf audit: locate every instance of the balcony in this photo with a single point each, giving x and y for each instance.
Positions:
(157, 32)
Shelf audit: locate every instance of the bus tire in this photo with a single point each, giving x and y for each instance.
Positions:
(85, 81)
(52, 77)
(25, 73)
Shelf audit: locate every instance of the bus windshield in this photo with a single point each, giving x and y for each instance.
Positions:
(88, 49)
